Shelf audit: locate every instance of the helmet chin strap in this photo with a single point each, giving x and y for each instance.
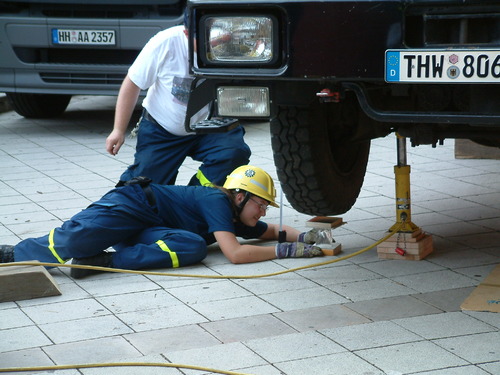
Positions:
(244, 201)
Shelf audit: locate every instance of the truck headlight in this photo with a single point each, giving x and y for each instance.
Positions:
(239, 39)
(243, 101)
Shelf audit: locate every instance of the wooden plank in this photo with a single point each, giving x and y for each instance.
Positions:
(408, 237)
(335, 250)
(325, 222)
(467, 149)
(414, 250)
(26, 282)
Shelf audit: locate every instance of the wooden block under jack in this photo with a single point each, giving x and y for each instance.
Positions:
(335, 250)
(325, 222)
(415, 250)
(26, 282)
(415, 236)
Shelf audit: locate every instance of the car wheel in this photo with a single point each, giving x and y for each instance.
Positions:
(320, 167)
(38, 105)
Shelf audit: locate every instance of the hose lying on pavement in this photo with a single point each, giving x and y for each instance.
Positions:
(132, 364)
(155, 273)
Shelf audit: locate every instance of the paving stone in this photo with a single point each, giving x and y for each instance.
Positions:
(370, 335)
(392, 308)
(409, 357)
(444, 325)
(246, 328)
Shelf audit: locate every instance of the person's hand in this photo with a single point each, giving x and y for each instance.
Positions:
(309, 237)
(297, 250)
(114, 141)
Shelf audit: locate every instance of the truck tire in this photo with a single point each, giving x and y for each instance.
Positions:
(320, 168)
(38, 105)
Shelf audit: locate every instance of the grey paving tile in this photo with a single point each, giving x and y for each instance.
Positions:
(303, 298)
(234, 308)
(116, 283)
(24, 358)
(247, 328)
(13, 318)
(343, 273)
(478, 348)
(434, 281)
(462, 370)
(136, 302)
(172, 281)
(478, 273)
(103, 350)
(22, 338)
(216, 291)
(443, 325)
(172, 339)
(321, 317)
(287, 282)
(371, 289)
(84, 329)
(294, 346)
(487, 317)
(475, 213)
(392, 308)
(232, 356)
(410, 357)
(255, 269)
(8, 305)
(446, 300)
(492, 367)
(459, 228)
(341, 363)
(379, 225)
(64, 311)
(370, 335)
(262, 370)
(391, 268)
(169, 316)
(480, 240)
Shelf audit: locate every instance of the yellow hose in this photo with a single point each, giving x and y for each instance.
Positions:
(119, 270)
(106, 269)
(119, 364)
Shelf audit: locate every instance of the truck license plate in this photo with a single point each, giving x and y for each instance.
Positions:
(442, 66)
(86, 37)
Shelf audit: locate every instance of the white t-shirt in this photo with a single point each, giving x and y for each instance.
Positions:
(162, 68)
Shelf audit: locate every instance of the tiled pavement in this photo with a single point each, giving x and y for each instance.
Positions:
(359, 316)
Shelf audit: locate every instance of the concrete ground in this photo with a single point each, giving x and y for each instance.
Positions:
(359, 316)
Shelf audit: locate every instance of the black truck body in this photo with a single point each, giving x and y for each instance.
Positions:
(333, 75)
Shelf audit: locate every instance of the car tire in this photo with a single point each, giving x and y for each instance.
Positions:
(320, 168)
(38, 105)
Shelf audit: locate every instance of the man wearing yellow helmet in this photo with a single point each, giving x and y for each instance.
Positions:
(156, 226)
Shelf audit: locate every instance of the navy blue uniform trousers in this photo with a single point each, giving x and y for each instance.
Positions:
(125, 220)
(159, 154)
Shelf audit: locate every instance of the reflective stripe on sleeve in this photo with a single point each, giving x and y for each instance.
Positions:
(51, 247)
(203, 180)
(173, 255)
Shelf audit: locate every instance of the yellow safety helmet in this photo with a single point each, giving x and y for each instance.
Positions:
(254, 180)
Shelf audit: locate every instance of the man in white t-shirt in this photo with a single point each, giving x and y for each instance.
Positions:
(162, 68)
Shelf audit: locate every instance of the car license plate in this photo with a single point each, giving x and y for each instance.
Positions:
(85, 37)
(443, 66)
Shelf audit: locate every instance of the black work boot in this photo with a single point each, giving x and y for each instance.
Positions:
(102, 260)
(6, 253)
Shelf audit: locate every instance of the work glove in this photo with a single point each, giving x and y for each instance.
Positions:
(309, 237)
(297, 250)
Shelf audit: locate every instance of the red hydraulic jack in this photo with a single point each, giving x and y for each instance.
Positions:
(409, 242)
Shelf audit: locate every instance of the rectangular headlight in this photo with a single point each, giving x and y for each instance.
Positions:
(242, 101)
(239, 39)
